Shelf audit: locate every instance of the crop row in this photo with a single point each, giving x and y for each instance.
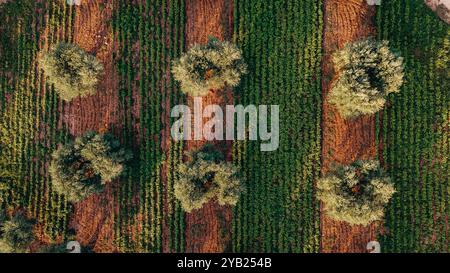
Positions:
(157, 28)
(32, 114)
(413, 130)
(33, 117)
(281, 42)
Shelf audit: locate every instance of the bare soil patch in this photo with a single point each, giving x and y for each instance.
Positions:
(344, 141)
(208, 229)
(93, 33)
(93, 218)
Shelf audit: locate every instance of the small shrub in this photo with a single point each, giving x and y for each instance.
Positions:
(209, 67)
(73, 72)
(16, 235)
(205, 176)
(369, 72)
(82, 168)
(356, 194)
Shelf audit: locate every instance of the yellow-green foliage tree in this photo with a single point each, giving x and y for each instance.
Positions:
(82, 168)
(73, 72)
(16, 234)
(368, 72)
(209, 67)
(356, 194)
(206, 176)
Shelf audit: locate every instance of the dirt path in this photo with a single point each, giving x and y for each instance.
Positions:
(344, 141)
(93, 218)
(208, 229)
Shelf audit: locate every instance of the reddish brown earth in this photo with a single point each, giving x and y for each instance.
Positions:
(93, 218)
(93, 34)
(344, 141)
(208, 229)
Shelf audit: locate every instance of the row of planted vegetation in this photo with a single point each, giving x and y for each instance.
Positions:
(44, 186)
(281, 42)
(368, 72)
(27, 131)
(205, 175)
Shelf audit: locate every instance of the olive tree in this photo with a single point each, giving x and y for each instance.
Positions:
(72, 71)
(81, 168)
(356, 194)
(368, 72)
(206, 176)
(209, 67)
(16, 234)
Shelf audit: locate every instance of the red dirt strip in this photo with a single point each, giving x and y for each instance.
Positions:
(344, 141)
(208, 229)
(93, 217)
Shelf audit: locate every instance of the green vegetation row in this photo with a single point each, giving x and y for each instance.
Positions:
(413, 130)
(30, 115)
(157, 27)
(281, 42)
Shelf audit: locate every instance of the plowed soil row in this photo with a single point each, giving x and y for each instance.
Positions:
(93, 218)
(344, 141)
(208, 229)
